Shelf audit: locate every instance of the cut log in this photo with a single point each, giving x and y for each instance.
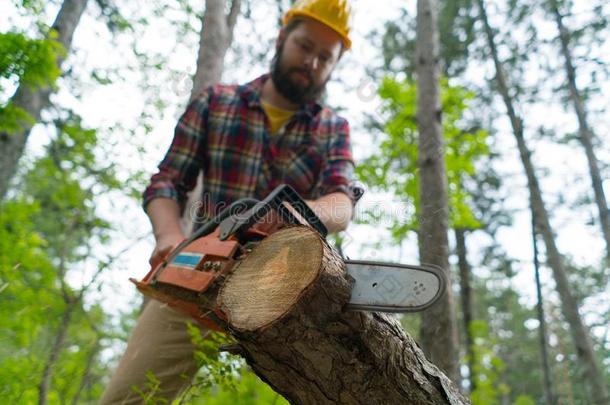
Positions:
(285, 306)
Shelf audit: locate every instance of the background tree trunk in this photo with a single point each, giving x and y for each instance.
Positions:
(466, 299)
(546, 369)
(580, 336)
(33, 102)
(214, 41)
(439, 329)
(60, 337)
(585, 135)
(284, 304)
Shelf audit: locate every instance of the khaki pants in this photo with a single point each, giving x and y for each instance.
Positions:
(160, 343)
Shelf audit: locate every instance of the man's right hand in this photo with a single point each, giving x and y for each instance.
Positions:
(164, 215)
(165, 244)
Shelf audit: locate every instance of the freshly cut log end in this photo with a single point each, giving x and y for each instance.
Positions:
(273, 278)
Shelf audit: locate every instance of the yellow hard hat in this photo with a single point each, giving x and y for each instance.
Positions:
(332, 13)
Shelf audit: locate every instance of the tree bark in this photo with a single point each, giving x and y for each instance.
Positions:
(284, 305)
(33, 102)
(215, 39)
(585, 134)
(439, 327)
(546, 369)
(580, 336)
(467, 301)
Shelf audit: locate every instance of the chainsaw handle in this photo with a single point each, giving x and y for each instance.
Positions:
(208, 227)
(239, 224)
(287, 194)
(240, 215)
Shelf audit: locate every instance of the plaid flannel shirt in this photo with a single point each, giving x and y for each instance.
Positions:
(225, 133)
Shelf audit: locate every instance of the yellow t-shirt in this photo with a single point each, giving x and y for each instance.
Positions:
(277, 116)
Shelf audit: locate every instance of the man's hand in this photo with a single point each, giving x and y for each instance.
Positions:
(164, 214)
(165, 244)
(334, 210)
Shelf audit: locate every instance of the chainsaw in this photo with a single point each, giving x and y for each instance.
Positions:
(189, 278)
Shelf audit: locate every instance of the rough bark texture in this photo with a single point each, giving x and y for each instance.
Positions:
(580, 335)
(33, 102)
(439, 327)
(285, 307)
(546, 369)
(585, 134)
(466, 298)
(215, 39)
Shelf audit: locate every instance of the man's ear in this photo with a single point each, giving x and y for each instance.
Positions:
(280, 38)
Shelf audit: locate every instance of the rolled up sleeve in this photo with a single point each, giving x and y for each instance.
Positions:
(178, 171)
(338, 170)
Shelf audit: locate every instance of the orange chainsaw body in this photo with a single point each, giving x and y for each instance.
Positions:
(182, 281)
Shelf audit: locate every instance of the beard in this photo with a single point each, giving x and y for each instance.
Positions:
(291, 90)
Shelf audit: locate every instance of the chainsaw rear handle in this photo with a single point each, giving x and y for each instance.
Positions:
(238, 224)
(208, 227)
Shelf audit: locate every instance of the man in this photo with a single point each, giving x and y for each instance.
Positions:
(247, 140)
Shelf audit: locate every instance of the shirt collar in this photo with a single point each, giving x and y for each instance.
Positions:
(251, 93)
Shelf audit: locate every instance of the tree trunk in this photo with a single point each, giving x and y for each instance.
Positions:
(214, 41)
(33, 102)
(580, 336)
(546, 369)
(585, 135)
(467, 302)
(60, 337)
(284, 304)
(439, 328)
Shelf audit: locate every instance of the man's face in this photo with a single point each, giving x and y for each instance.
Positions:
(304, 60)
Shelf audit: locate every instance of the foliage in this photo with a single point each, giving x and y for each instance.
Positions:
(394, 166)
(28, 62)
(224, 378)
(46, 235)
(34, 6)
(30, 308)
(456, 30)
(512, 327)
(32, 61)
(488, 369)
(26, 277)
(215, 368)
(115, 20)
(62, 182)
(250, 390)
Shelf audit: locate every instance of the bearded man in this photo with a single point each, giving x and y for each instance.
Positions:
(246, 140)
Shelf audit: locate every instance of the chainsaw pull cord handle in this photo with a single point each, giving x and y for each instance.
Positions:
(208, 227)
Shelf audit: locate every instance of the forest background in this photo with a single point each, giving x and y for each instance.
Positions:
(85, 118)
